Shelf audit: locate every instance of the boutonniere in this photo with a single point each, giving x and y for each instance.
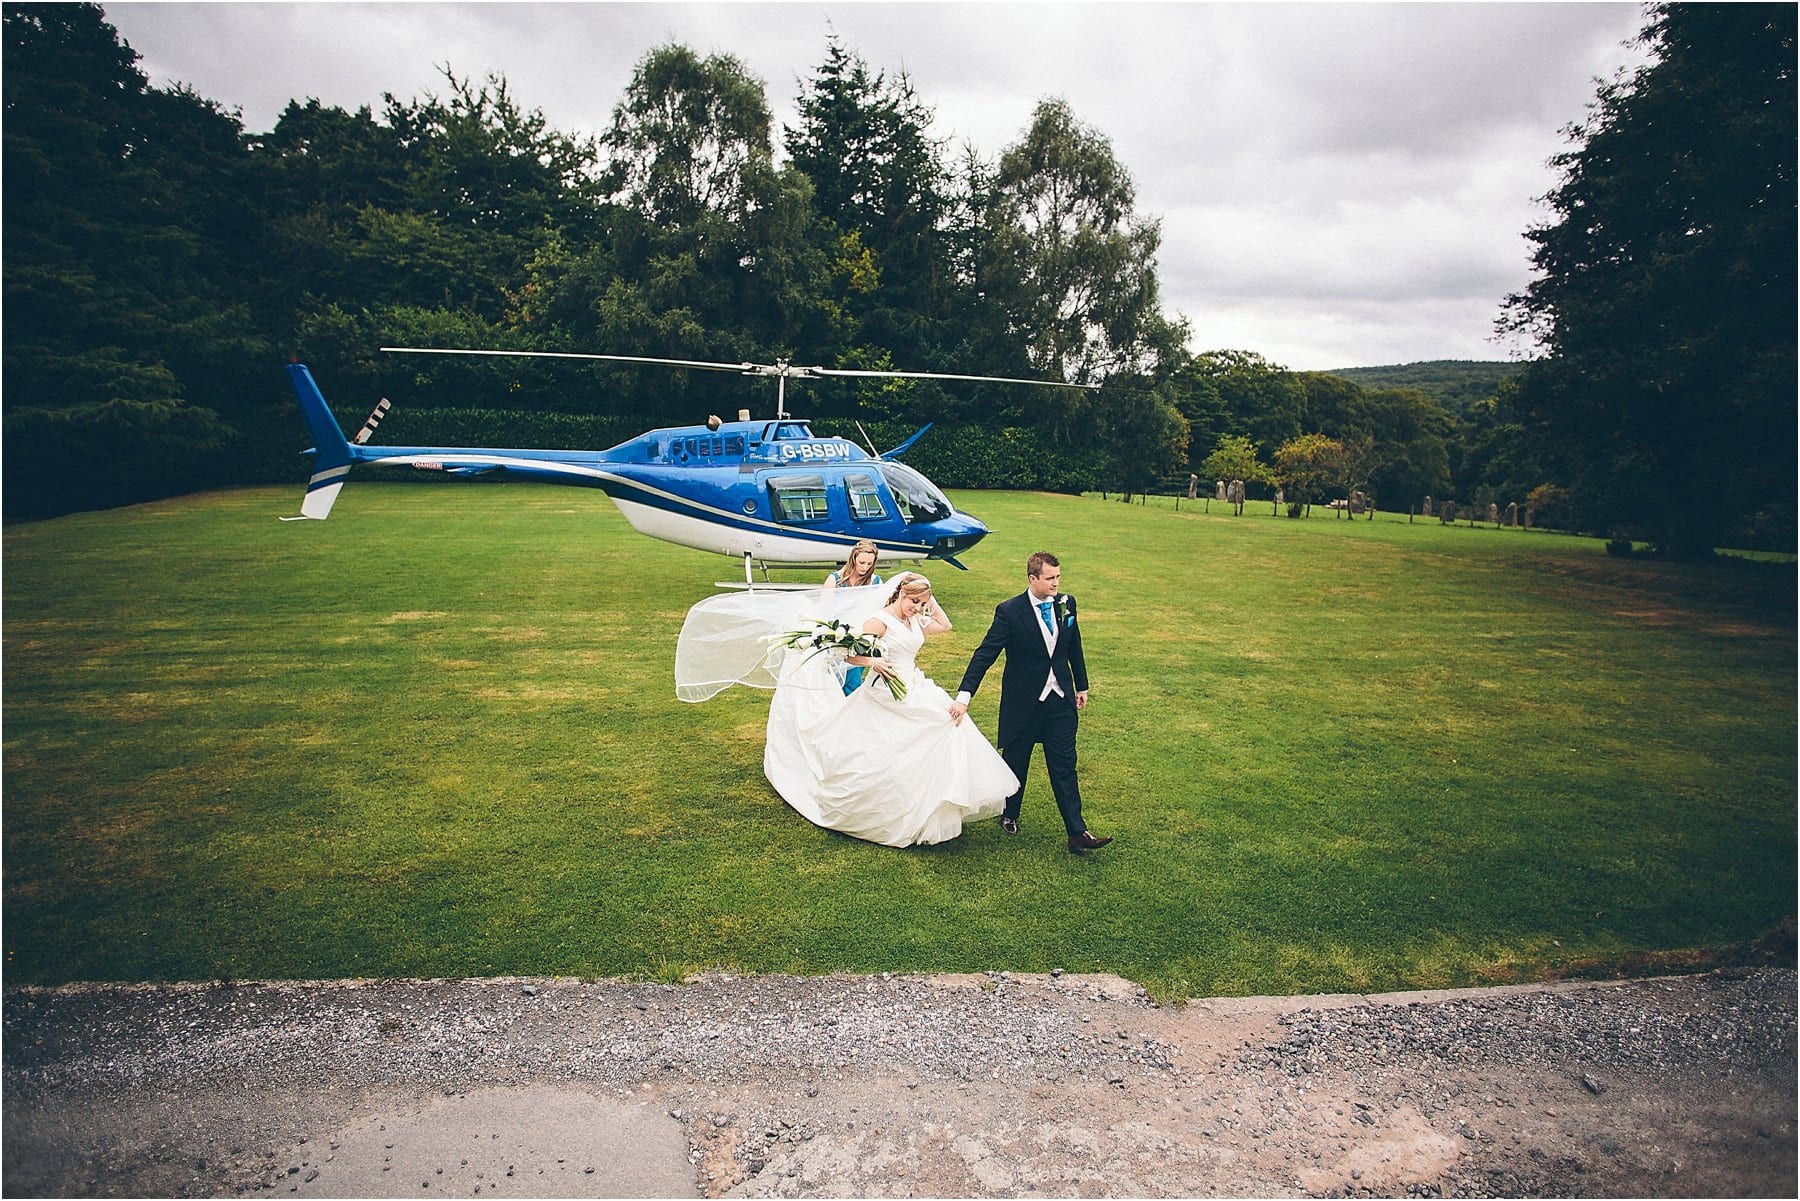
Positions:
(1065, 614)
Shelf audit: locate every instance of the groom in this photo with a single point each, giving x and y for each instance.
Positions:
(1042, 688)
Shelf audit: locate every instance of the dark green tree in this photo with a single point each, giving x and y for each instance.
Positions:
(1665, 293)
(1414, 434)
(429, 227)
(1068, 263)
(130, 344)
(1334, 405)
(711, 238)
(1144, 438)
(690, 138)
(1493, 448)
(1239, 392)
(880, 192)
(318, 170)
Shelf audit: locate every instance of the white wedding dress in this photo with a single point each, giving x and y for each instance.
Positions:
(895, 772)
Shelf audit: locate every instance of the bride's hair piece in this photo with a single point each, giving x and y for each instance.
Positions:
(849, 568)
(912, 585)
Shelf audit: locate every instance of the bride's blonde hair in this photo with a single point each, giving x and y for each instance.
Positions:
(912, 585)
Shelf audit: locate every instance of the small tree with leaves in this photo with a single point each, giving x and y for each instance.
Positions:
(1234, 458)
(1357, 461)
(1304, 465)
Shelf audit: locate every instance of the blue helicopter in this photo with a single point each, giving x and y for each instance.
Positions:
(767, 493)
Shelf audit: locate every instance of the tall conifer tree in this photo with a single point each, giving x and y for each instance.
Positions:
(1665, 297)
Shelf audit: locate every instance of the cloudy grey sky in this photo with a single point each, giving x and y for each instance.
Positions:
(1339, 184)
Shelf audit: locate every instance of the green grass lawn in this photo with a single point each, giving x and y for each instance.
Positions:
(437, 736)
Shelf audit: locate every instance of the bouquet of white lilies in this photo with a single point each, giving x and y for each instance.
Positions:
(835, 635)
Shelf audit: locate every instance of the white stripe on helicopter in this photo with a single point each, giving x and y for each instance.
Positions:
(786, 538)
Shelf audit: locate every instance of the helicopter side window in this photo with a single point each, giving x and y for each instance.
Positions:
(798, 497)
(734, 445)
(865, 501)
(918, 497)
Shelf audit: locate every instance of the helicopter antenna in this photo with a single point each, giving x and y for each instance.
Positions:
(867, 439)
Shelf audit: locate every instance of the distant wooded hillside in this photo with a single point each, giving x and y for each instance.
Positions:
(1453, 383)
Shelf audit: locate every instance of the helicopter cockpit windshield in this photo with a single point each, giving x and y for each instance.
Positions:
(918, 497)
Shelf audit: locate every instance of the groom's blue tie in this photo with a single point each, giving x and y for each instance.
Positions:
(1044, 612)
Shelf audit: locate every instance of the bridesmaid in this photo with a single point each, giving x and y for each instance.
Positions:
(858, 571)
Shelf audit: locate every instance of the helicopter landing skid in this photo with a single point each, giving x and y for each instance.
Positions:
(765, 584)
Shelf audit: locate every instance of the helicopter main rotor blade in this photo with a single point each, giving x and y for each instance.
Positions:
(740, 368)
(761, 369)
(980, 379)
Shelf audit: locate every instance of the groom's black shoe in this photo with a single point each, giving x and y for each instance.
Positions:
(1010, 824)
(1085, 841)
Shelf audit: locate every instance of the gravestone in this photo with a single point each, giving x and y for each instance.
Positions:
(1359, 502)
(1447, 513)
(1512, 514)
(1221, 495)
(1193, 486)
(1429, 508)
(1493, 512)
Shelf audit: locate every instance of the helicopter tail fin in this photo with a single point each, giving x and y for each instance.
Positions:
(330, 450)
(907, 445)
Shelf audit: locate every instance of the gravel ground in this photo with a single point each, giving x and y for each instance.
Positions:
(995, 1085)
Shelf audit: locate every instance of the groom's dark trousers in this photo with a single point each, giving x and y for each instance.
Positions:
(1026, 721)
(1052, 722)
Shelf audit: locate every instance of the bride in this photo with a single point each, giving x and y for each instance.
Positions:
(894, 771)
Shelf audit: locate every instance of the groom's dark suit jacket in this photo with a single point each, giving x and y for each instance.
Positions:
(1019, 632)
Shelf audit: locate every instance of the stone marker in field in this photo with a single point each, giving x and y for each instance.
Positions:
(1512, 514)
(1221, 495)
(1447, 513)
(1429, 508)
